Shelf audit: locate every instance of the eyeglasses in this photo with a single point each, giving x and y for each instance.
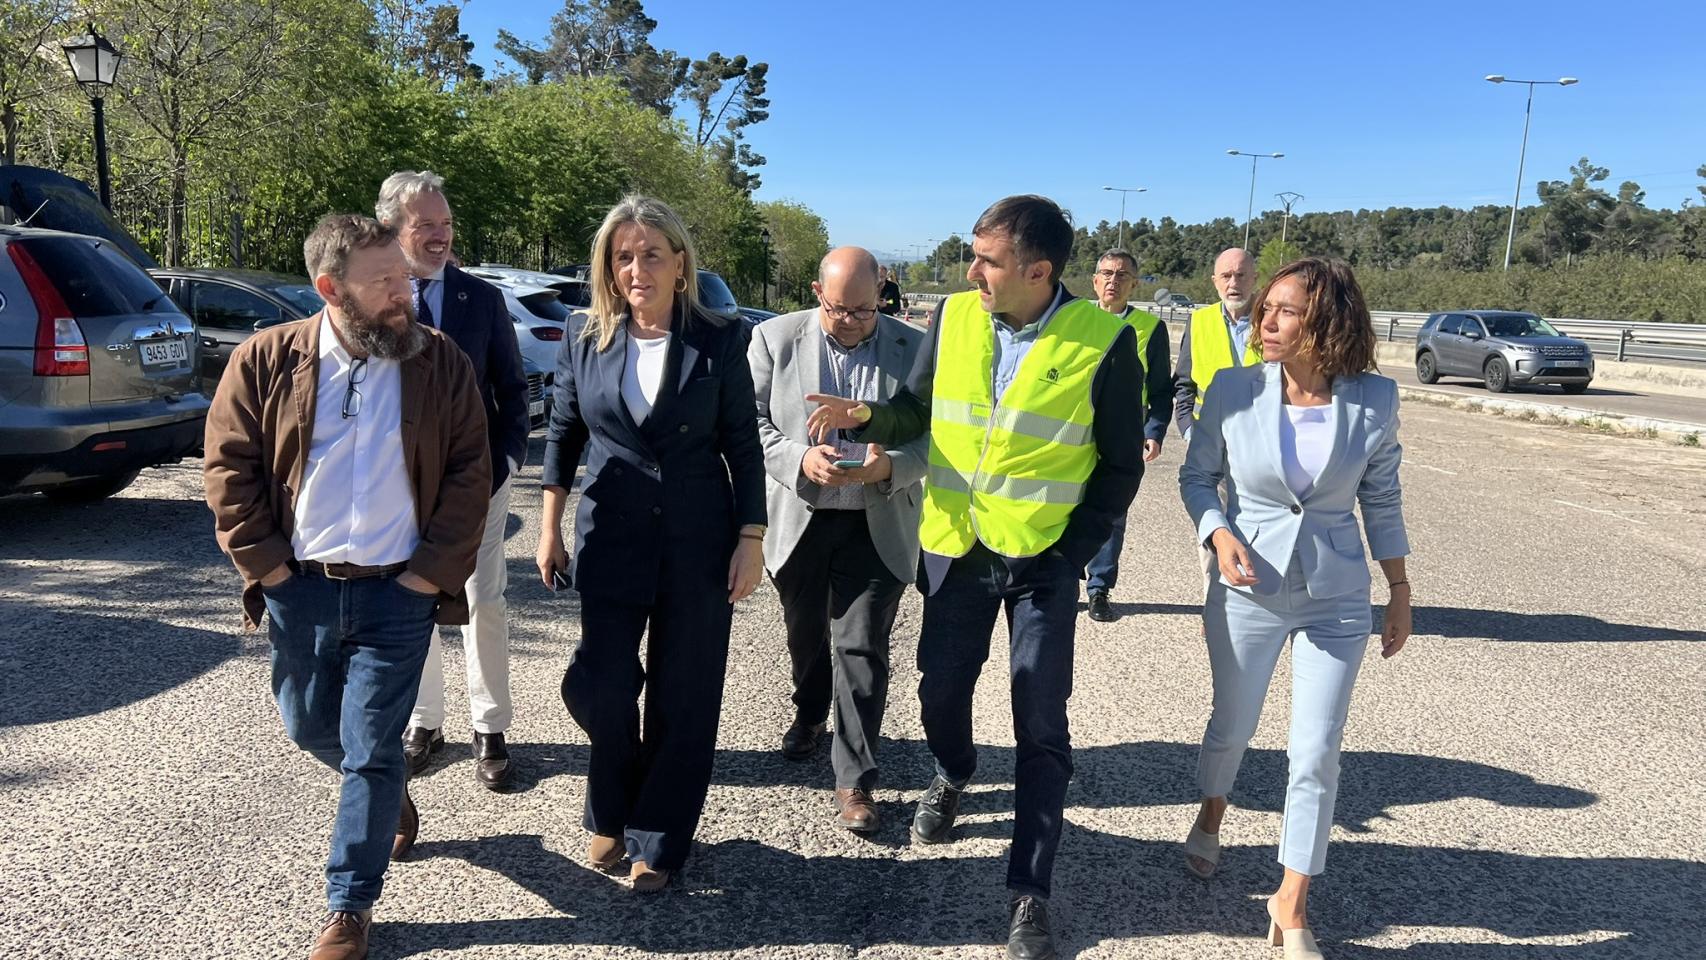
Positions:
(839, 313)
(352, 396)
(1114, 274)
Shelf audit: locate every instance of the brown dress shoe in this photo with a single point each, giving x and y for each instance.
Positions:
(492, 767)
(855, 810)
(605, 852)
(646, 880)
(408, 827)
(419, 744)
(343, 936)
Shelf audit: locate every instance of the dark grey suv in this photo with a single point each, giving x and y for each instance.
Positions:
(98, 371)
(1502, 349)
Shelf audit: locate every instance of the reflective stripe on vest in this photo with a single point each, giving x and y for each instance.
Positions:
(1010, 474)
(1211, 349)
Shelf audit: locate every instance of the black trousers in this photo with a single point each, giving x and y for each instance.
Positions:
(1042, 614)
(650, 788)
(838, 603)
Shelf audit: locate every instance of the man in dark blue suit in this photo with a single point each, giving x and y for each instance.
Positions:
(471, 313)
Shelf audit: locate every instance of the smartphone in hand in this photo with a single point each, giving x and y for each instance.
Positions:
(560, 580)
(849, 464)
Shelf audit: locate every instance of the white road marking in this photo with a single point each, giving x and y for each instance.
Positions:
(1449, 473)
(1607, 513)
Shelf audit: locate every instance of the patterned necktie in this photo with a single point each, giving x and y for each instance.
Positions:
(423, 310)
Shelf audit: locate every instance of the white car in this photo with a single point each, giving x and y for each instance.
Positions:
(539, 318)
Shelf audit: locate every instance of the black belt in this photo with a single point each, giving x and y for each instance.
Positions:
(352, 571)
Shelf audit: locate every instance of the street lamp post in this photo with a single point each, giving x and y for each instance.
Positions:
(1122, 192)
(1522, 157)
(1288, 198)
(95, 62)
(764, 236)
(1250, 210)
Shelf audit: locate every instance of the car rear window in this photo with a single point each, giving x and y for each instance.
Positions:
(303, 297)
(95, 280)
(715, 295)
(545, 306)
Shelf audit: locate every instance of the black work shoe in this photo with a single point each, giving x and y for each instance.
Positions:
(1100, 610)
(1028, 936)
(492, 767)
(936, 812)
(800, 741)
(419, 744)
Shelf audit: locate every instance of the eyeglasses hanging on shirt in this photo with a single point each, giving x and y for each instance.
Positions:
(352, 396)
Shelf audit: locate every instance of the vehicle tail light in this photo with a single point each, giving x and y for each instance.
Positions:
(61, 350)
(547, 333)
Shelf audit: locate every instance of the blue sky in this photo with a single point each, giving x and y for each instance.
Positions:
(899, 122)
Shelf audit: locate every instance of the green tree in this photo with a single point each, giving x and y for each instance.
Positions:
(1573, 211)
(31, 64)
(1275, 253)
(798, 241)
(602, 38)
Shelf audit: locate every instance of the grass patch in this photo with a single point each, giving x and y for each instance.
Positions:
(1690, 440)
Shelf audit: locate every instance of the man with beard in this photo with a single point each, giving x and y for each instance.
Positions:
(472, 314)
(1217, 337)
(348, 473)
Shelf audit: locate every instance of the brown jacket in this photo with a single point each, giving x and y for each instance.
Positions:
(257, 449)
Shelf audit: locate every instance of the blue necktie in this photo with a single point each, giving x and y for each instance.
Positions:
(423, 311)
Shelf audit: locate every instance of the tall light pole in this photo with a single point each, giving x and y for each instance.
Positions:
(1522, 157)
(95, 62)
(1287, 198)
(1251, 209)
(1122, 192)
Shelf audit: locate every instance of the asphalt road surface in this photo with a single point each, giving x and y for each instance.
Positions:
(1619, 401)
(1523, 782)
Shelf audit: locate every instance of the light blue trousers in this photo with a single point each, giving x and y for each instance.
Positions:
(1245, 636)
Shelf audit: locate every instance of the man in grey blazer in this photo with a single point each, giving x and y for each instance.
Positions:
(843, 540)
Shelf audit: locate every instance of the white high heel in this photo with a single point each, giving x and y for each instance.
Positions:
(1205, 846)
(1298, 944)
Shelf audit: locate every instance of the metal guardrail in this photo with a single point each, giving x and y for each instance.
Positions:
(1676, 342)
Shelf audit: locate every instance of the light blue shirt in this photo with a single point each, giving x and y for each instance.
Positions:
(1011, 345)
(1239, 328)
(434, 296)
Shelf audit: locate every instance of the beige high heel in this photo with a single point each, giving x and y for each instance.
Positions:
(1298, 944)
(1204, 846)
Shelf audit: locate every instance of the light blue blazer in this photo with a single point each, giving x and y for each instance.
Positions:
(1237, 439)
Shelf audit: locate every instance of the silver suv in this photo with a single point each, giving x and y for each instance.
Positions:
(98, 373)
(1502, 349)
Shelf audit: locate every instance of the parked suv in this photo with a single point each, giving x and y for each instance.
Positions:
(98, 373)
(1503, 349)
(228, 306)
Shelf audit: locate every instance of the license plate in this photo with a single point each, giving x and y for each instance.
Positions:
(536, 408)
(164, 352)
(1566, 363)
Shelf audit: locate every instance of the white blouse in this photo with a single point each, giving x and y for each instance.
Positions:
(1306, 438)
(642, 371)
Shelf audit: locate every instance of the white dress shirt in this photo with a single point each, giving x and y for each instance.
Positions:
(642, 371)
(1306, 439)
(356, 504)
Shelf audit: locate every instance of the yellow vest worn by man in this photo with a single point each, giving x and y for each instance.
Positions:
(1145, 323)
(1010, 474)
(1211, 349)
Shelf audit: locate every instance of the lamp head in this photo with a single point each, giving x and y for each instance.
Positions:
(1567, 81)
(1495, 78)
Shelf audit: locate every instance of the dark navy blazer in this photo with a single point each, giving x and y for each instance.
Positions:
(673, 492)
(477, 320)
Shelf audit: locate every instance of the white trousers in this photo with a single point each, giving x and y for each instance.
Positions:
(485, 640)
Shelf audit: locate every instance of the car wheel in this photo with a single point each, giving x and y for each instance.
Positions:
(1427, 370)
(1498, 375)
(88, 491)
(1575, 387)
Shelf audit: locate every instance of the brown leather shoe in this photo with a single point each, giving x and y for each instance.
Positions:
(419, 744)
(408, 827)
(343, 936)
(605, 852)
(646, 880)
(855, 810)
(492, 767)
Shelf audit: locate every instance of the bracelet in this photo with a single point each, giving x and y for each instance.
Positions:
(1398, 583)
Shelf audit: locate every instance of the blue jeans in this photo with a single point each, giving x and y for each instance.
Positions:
(1042, 613)
(346, 665)
(1104, 569)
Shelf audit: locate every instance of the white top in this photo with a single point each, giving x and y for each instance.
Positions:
(356, 504)
(1306, 438)
(642, 371)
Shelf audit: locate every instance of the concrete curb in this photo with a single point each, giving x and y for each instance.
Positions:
(1684, 434)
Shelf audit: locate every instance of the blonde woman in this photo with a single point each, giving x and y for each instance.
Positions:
(669, 533)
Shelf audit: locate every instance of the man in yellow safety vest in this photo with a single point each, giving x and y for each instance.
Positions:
(1114, 279)
(1033, 403)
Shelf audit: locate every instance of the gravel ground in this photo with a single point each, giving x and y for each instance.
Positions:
(1525, 781)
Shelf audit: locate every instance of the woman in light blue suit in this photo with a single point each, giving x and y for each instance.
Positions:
(1301, 440)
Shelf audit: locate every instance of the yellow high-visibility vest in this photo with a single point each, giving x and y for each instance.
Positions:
(1145, 323)
(1009, 474)
(1211, 349)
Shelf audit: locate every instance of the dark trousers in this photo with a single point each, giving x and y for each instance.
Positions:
(1042, 608)
(346, 665)
(650, 788)
(1104, 568)
(838, 603)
